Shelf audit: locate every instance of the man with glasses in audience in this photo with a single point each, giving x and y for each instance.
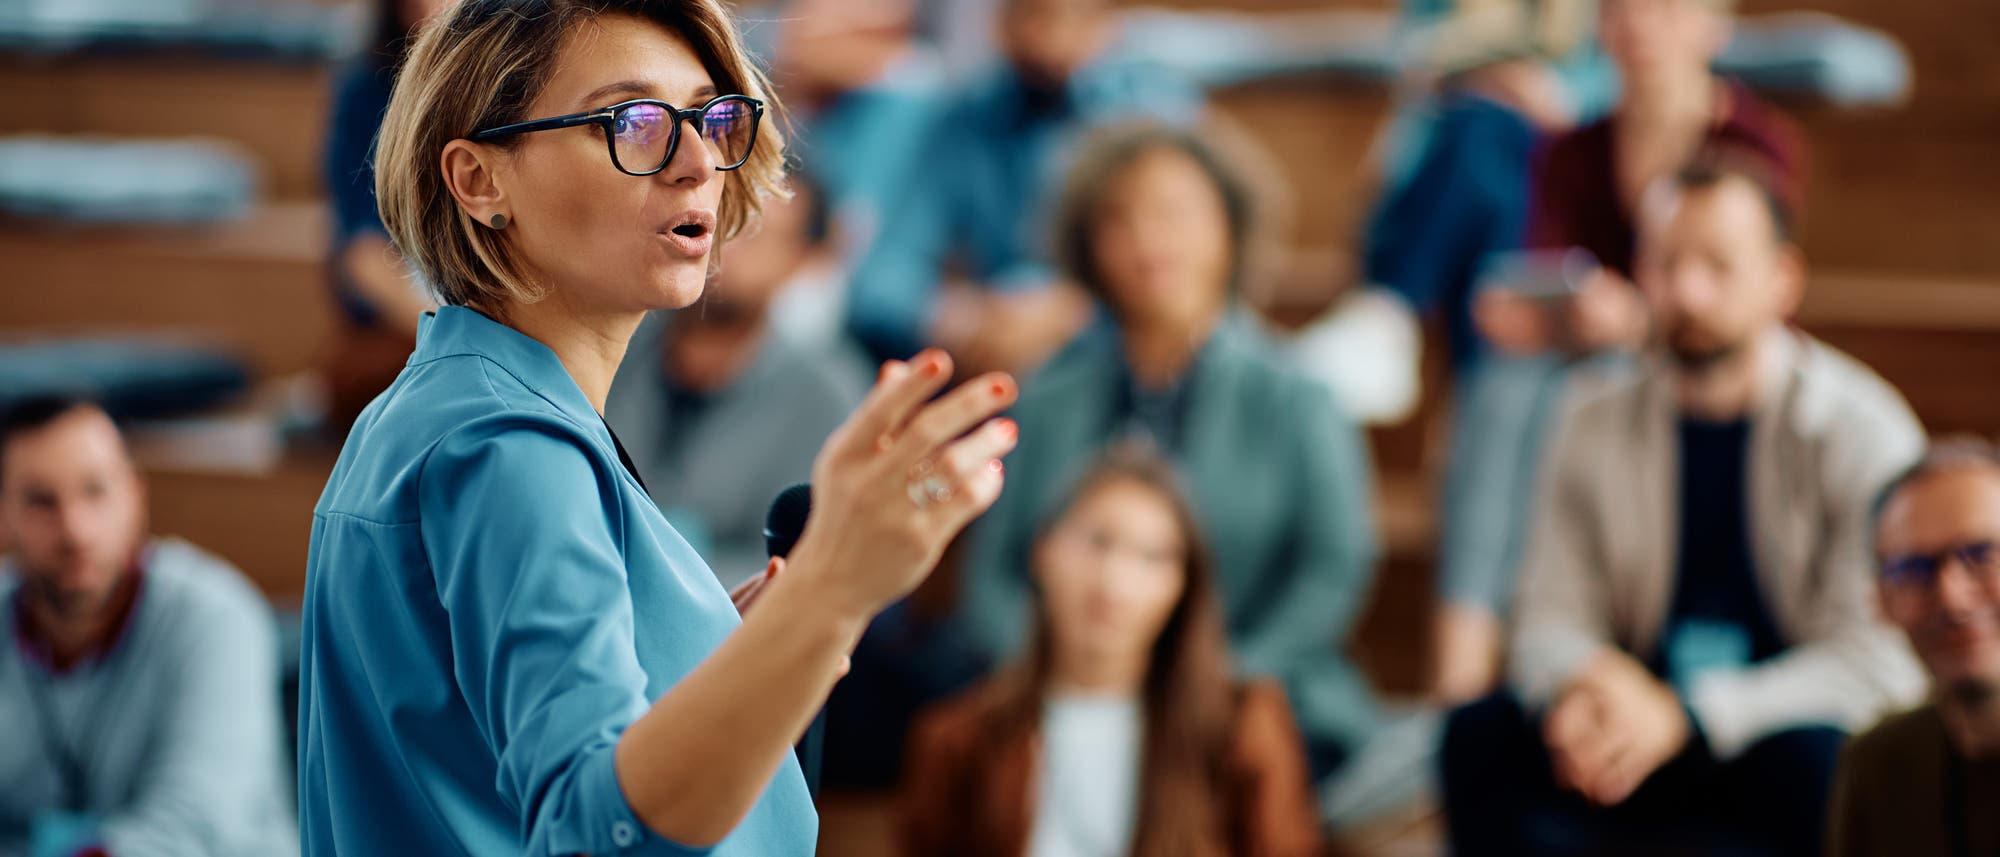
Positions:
(1696, 628)
(138, 677)
(1926, 782)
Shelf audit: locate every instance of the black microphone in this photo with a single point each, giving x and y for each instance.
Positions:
(782, 526)
(787, 519)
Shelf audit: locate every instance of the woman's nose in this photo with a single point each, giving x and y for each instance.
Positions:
(693, 162)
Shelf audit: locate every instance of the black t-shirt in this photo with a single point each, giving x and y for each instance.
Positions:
(1719, 618)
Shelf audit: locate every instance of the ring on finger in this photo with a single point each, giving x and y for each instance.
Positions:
(928, 491)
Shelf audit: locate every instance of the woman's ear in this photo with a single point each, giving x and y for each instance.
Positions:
(471, 173)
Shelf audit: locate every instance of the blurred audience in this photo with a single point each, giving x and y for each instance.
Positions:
(720, 407)
(862, 93)
(1926, 781)
(1550, 315)
(139, 676)
(960, 261)
(1695, 627)
(1459, 166)
(1119, 730)
(1155, 225)
(1587, 189)
(378, 299)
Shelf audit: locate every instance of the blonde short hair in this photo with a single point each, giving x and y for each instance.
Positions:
(481, 65)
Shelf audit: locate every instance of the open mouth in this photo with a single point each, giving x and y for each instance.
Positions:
(690, 233)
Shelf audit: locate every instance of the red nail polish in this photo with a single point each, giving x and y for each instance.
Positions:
(933, 366)
(1008, 428)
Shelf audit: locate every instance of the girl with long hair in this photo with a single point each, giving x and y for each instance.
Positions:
(1120, 730)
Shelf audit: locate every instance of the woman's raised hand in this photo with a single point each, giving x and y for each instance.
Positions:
(896, 482)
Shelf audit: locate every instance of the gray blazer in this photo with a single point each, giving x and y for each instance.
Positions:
(1280, 480)
(1599, 565)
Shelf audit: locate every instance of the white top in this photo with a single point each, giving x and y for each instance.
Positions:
(1087, 779)
(1367, 349)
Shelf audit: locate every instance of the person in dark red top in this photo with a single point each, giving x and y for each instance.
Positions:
(1589, 181)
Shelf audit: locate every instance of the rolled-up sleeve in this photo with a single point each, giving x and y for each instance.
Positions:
(522, 531)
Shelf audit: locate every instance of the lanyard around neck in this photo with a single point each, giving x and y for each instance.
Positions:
(61, 752)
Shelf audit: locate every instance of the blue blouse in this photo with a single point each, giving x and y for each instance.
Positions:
(490, 599)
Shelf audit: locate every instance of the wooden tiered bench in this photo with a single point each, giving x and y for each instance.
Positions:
(255, 286)
(276, 111)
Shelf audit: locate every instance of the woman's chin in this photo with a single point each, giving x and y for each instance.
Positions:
(677, 289)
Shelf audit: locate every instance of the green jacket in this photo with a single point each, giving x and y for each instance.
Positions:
(1280, 480)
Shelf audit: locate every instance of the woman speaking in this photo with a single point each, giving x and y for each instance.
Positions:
(507, 649)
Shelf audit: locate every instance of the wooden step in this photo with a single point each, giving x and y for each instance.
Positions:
(262, 522)
(255, 286)
(277, 111)
(1936, 339)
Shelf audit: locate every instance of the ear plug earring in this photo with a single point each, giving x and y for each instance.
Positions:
(499, 221)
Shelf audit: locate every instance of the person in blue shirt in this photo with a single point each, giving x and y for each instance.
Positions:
(996, 153)
(139, 678)
(378, 304)
(862, 90)
(506, 649)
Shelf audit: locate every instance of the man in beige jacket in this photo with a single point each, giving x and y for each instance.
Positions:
(1695, 624)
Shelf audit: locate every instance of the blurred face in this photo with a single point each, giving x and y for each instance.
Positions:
(1162, 241)
(1952, 614)
(1112, 571)
(838, 45)
(70, 505)
(1649, 38)
(606, 242)
(1714, 273)
(764, 258)
(1048, 40)
(714, 340)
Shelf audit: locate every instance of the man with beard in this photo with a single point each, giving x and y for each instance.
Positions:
(138, 677)
(1925, 782)
(1695, 625)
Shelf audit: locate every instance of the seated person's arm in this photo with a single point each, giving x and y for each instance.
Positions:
(1467, 640)
(380, 276)
(362, 256)
(892, 294)
(1561, 612)
(1313, 612)
(219, 744)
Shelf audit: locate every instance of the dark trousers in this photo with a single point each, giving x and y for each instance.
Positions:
(1501, 796)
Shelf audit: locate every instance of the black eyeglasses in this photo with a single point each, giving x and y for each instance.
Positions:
(1919, 572)
(642, 134)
